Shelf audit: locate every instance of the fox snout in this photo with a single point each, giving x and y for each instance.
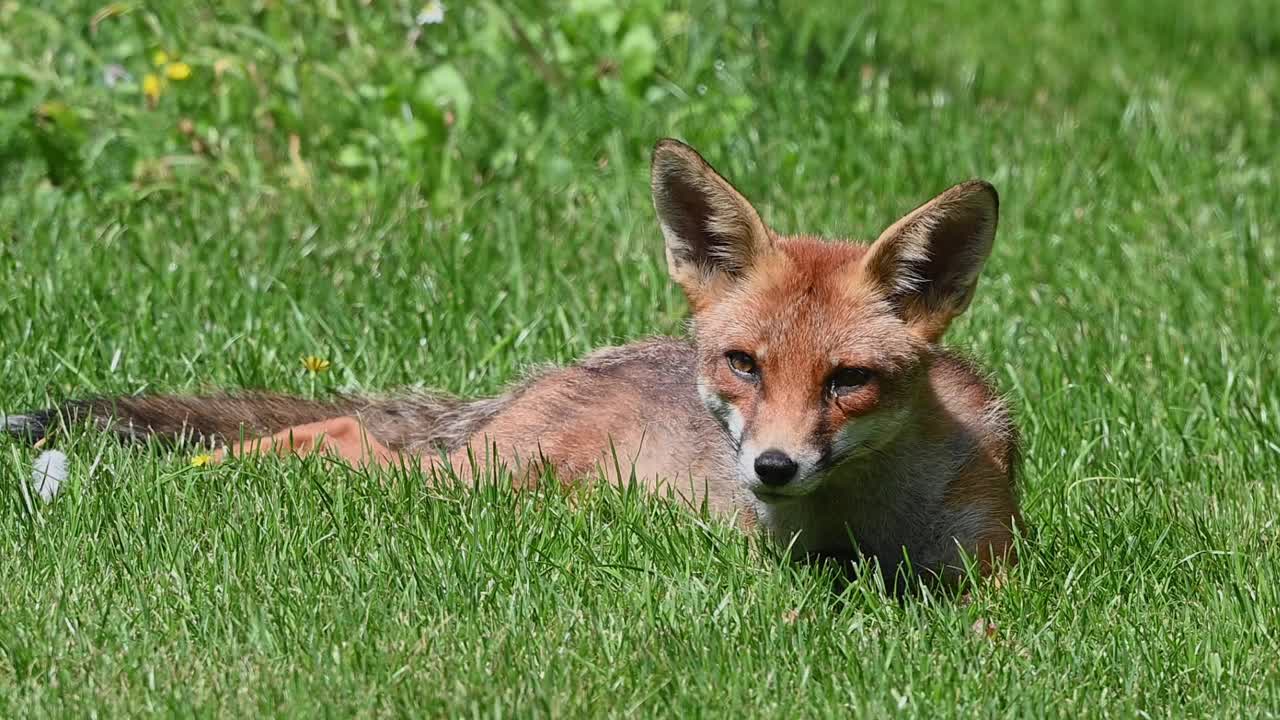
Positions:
(772, 457)
(774, 471)
(775, 468)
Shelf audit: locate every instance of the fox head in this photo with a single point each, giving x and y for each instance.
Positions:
(813, 354)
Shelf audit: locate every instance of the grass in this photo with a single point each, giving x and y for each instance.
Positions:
(450, 227)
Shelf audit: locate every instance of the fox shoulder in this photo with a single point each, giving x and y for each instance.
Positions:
(968, 397)
(985, 445)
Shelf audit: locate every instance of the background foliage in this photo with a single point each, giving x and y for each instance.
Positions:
(201, 194)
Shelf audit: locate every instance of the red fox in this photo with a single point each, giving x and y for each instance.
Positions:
(813, 400)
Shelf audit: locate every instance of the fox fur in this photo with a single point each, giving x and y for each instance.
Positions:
(813, 400)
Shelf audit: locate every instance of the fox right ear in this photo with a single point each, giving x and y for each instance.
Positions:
(928, 262)
(712, 233)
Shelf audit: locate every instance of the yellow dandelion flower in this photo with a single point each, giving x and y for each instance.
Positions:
(160, 58)
(201, 460)
(151, 87)
(315, 365)
(177, 70)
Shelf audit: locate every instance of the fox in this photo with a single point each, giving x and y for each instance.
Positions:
(811, 399)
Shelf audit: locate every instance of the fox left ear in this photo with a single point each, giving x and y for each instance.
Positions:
(713, 235)
(928, 262)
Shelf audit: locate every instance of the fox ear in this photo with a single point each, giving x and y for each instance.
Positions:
(712, 233)
(928, 262)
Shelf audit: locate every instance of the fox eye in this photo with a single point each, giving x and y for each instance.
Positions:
(742, 364)
(847, 380)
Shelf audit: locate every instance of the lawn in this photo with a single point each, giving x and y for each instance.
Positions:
(199, 196)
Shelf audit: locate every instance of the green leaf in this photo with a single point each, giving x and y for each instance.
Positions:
(444, 87)
(352, 157)
(606, 13)
(638, 54)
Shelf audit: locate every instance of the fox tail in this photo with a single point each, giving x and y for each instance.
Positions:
(418, 422)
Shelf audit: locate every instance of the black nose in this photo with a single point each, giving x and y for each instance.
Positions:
(775, 467)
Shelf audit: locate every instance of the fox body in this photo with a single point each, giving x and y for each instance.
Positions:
(813, 400)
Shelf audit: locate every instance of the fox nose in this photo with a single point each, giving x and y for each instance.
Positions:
(775, 467)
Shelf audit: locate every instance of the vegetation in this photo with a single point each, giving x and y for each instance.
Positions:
(203, 194)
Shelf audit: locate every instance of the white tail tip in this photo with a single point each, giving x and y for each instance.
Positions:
(48, 474)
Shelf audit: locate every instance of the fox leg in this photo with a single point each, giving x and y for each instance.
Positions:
(348, 439)
(345, 437)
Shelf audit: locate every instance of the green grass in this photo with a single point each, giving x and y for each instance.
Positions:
(450, 227)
